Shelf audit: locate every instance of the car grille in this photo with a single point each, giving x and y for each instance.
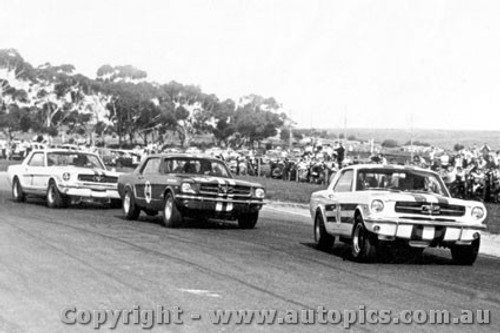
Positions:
(426, 208)
(222, 190)
(98, 179)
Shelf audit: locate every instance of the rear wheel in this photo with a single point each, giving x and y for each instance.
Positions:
(363, 242)
(171, 216)
(55, 199)
(323, 240)
(17, 191)
(130, 209)
(248, 221)
(465, 254)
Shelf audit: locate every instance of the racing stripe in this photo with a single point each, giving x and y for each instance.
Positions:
(428, 233)
(418, 197)
(442, 200)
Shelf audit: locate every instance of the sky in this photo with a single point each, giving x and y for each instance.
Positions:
(429, 64)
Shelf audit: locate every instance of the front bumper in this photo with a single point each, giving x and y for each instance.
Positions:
(424, 233)
(93, 192)
(217, 206)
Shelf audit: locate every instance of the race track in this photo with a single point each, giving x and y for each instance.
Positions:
(91, 258)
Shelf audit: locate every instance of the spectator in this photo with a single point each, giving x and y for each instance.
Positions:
(340, 154)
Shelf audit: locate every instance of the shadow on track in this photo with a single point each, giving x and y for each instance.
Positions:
(388, 256)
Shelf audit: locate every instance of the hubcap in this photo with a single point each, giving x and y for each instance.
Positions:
(357, 238)
(317, 230)
(50, 195)
(168, 209)
(126, 203)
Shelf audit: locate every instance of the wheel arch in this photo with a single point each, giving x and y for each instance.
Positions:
(320, 210)
(168, 189)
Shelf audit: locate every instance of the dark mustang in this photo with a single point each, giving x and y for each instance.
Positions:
(183, 185)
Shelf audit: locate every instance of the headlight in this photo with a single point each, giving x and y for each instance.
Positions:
(477, 213)
(66, 176)
(187, 188)
(260, 193)
(377, 206)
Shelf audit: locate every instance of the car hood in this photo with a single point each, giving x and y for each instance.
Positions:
(218, 180)
(421, 197)
(84, 171)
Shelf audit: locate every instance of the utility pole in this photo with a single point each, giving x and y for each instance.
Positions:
(345, 126)
(411, 138)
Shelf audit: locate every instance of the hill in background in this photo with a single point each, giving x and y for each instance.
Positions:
(441, 138)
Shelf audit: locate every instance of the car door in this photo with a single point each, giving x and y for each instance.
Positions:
(344, 209)
(34, 172)
(143, 188)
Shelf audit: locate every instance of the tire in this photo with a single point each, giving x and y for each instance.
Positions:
(129, 208)
(323, 240)
(17, 191)
(465, 254)
(248, 221)
(171, 216)
(55, 199)
(363, 242)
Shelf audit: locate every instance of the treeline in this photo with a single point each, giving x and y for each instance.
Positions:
(120, 101)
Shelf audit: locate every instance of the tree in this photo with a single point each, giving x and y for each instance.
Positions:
(222, 122)
(390, 143)
(127, 73)
(14, 119)
(458, 147)
(417, 143)
(257, 118)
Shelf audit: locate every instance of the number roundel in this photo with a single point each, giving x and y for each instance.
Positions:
(147, 192)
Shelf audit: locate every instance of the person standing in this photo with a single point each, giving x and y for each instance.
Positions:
(340, 154)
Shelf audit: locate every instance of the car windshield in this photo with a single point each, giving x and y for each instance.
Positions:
(400, 180)
(196, 166)
(77, 159)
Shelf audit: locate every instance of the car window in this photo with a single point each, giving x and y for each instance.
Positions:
(344, 184)
(73, 158)
(37, 160)
(196, 166)
(152, 167)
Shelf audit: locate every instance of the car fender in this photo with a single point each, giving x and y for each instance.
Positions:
(168, 188)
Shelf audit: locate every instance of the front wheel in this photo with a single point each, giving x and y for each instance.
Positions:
(130, 209)
(323, 240)
(248, 221)
(465, 254)
(55, 199)
(171, 216)
(363, 243)
(17, 191)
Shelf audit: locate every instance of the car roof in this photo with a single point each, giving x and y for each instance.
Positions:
(65, 151)
(185, 155)
(387, 166)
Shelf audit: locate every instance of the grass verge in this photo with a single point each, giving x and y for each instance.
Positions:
(279, 190)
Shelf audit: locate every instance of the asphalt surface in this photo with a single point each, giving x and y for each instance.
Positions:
(91, 258)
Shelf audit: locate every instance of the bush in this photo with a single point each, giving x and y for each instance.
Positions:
(390, 143)
(418, 143)
(458, 147)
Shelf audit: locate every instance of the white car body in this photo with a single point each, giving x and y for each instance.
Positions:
(408, 217)
(80, 183)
